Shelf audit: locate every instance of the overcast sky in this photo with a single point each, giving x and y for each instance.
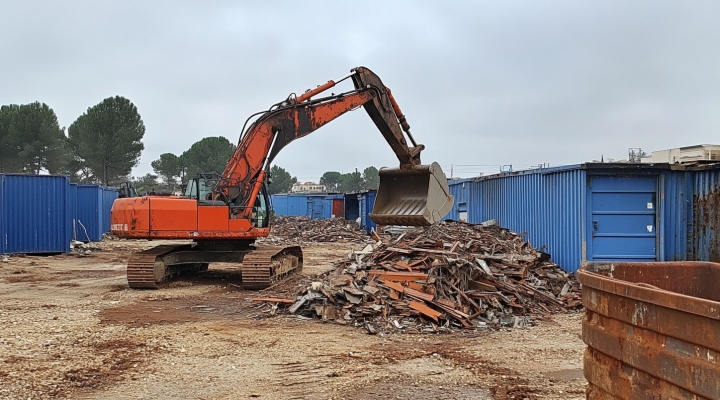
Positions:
(482, 83)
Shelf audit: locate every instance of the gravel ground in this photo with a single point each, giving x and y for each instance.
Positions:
(70, 328)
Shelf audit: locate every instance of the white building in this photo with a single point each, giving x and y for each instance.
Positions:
(308, 187)
(681, 155)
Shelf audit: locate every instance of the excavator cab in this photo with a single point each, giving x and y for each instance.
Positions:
(412, 196)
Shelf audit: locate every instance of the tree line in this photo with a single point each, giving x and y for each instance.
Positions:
(104, 144)
(101, 146)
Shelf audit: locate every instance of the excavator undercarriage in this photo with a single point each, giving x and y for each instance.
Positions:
(262, 266)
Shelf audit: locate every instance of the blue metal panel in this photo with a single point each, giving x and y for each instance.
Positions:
(622, 222)
(352, 207)
(88, 219)
(560, 227)
(366, 201)
(315, 207)
(675, 215)
(35, 214)
(108, 198)
(72, 210)
(547, 204)
(290, 204)
(2, 212)
(460, 189)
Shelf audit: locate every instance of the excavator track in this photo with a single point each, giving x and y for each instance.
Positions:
(141, 267)
(262, 266)
(268, 265)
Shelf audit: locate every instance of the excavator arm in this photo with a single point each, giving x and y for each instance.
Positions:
(297, 117)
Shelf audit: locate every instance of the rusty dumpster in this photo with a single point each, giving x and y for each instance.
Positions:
(652, 330)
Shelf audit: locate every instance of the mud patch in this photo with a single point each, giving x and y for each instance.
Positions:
(113, 359)
(503, 383)
(20, 277)
(179, 311)
(566, 374)
(387, 389)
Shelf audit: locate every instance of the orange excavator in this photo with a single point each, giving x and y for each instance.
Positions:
(224, 215)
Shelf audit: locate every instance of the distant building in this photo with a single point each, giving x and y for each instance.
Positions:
(700, 152)
(308, 187)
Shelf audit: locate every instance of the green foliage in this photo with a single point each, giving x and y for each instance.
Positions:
(371, 178)
(31, 139)
(331, 180)
(282, 181)
(351, 182)
(210, 154)
(168, 168)
(147, 183)
(107, 140)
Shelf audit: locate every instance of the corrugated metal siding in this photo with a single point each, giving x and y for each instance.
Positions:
(72, 210)
(352, 207)
(108, 198)
(35, 214)
(89, 210)
(561, 228)
(2, 212)
(366, 202)
(675, 215)
(547, 204)
(460, 190)
(706, 216)
(290, 205)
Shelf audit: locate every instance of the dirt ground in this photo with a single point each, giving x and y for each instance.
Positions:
(71, 328)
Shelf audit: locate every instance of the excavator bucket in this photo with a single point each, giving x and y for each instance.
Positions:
(417, 196)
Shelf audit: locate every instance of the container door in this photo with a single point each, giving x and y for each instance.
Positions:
(338, 208)
(316, 207)
(362, 202)
(622, 223)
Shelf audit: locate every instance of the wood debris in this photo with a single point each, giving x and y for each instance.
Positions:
(450, 275)
(303, 230)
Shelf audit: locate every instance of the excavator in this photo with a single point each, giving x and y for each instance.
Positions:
(224, 215)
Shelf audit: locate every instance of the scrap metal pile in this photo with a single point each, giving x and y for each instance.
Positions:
(303, 229)
(450, 275)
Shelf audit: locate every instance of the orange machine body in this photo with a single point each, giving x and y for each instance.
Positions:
(227, 212)
(171, 217)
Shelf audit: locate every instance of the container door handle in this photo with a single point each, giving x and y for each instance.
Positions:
(595, 227)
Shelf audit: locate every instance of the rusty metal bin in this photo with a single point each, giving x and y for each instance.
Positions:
(652, 330)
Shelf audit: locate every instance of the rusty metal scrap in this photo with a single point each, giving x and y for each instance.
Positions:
(450, 275)
(303, 229)
(651, 330)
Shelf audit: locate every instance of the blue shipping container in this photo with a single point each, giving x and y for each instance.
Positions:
(310, 205)
(109, 195)
(602, 211)
(289, 204)
(92, 212)
(72, 210)
(366, 202)
(2, 212)
(34, 214)
(88, 218)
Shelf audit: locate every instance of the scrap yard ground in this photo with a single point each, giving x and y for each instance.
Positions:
(70, 328)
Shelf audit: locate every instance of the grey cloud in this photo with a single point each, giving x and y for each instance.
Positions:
(487, 83)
